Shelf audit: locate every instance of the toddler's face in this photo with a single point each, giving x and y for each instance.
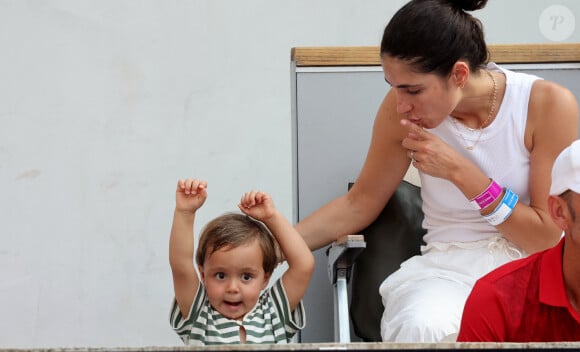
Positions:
(234, 278)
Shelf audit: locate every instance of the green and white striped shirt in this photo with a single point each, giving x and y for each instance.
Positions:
(269, 322)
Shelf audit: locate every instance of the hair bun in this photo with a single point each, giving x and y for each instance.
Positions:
(467, 5)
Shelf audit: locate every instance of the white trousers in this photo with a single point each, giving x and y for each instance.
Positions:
(424, 299)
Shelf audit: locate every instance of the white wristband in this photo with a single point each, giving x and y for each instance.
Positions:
(504, 209)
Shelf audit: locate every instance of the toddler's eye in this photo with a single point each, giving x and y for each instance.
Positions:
(220, 276)
(246, 277)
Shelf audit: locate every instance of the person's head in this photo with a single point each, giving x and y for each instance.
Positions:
(564, 199)
(432, 35)
(428, 47)
(236, 256)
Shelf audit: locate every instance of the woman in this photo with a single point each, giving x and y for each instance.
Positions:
(483, 139)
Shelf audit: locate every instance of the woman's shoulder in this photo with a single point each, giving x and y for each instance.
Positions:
(552, 116)
(517, 78)
(550, 95)
(389, 114)
(538, 84)
(543, 94)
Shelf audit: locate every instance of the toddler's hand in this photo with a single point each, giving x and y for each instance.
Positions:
(190, 194)
(258, 205)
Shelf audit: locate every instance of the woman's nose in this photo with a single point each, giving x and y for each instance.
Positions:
(403, 107)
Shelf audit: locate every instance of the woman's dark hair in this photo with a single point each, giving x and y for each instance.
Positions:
(432, 35)
(231, 230)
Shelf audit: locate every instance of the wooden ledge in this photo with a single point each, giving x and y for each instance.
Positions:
(500, 53)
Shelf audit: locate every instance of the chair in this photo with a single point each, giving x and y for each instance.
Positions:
(367, 260)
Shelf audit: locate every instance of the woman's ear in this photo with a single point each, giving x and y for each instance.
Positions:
(460, 73)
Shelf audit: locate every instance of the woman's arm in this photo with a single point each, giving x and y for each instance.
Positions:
(385, 165)
(551, 126)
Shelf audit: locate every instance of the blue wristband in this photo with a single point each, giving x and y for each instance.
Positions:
(504, 208)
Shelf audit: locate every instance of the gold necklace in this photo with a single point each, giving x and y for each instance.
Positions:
(493, 99)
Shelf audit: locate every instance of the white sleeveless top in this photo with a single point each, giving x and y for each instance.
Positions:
(500, 153)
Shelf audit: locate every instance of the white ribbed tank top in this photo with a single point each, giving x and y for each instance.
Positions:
(500, 153)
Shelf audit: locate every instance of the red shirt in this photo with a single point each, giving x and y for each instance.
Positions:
(522, 301)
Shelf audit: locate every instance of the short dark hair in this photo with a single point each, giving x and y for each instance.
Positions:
(433, 35)
(231, 230)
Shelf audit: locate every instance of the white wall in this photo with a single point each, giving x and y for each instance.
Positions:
(104, 104)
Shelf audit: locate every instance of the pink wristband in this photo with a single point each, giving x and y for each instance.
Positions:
(488, 196)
